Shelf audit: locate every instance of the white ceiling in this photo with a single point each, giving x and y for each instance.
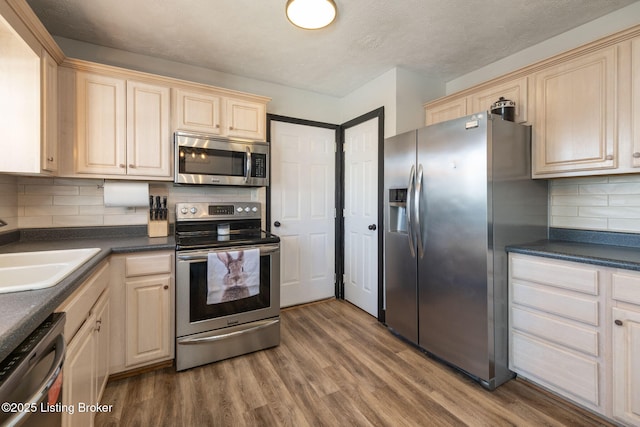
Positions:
(252, 38)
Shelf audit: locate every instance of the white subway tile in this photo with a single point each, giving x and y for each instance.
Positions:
(77, 200)
(35, 221)
(579, 222)
(564, 210)
(624, 200)
(621, 188)
(624, 225)
(564, 190)
(77, 221)
(35, 200)
(610, 212)
(582, 200)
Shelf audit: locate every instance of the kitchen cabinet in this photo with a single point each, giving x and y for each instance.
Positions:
(626, 346)
(88, 337)
(219, 114)
(635, 100)
(556, 327)
(575, 114)
(49, 149)
(142, 285)
(122, 127)
(478, 100)
(575, 330)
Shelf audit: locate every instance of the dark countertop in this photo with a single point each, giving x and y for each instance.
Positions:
(615, 250)
(22, 312)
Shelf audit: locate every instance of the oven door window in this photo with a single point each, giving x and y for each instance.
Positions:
(205, 161)
(201, 309)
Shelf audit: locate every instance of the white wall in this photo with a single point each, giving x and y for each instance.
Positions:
(612, 23)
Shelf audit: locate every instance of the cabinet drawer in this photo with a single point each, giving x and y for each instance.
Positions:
(145, 265)
(626, 287)
(562, 370)
(556, 331)
(561, 304)
(79, 304)
(575, 277)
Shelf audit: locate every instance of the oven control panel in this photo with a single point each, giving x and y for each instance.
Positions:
(213, 211)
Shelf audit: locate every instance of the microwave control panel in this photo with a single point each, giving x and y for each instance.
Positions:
(259, 165)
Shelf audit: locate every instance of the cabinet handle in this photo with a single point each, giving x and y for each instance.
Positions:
(609, 157)
(98, 324)
(50, 159)
(636, 155)
(618, 322)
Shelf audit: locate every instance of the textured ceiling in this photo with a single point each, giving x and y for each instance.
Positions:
(252, 38)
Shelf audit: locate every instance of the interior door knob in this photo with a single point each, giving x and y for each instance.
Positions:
(277, 224)
(372, 227)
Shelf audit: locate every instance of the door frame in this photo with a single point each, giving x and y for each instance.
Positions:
(340, 193)
(340, 204)
(336, 128)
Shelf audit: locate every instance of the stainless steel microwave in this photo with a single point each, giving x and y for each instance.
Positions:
(206, 159)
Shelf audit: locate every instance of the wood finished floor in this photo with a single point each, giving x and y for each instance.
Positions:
(336, 366)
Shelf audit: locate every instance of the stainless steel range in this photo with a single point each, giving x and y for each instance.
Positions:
(227, 282)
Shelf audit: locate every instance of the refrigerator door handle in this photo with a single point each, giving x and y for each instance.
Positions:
(418, 228)
(412, 176)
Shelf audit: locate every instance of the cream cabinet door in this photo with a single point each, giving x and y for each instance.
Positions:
(148, 134)
(49, 151)
(515, 90)
(635, 119)
(79, 380)
(575, 115)
(450, 110)
(101, 124)
(102, 331)
(197, 112)
(626, 366)
(245, 119)
(148, 317)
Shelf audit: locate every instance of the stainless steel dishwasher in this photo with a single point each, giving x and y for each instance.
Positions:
(31, 378)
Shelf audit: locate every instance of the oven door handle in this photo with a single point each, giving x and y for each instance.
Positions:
(213, 338)
(203, 255)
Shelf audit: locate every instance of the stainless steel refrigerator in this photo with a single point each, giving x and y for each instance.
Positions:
(457, 193)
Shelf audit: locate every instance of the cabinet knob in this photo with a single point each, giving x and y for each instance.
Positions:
(230, 127)
(122, 165)
(609, 157)
(132, 166)
(618, 322)
(50, 159)
(166, 287)
(636, 155)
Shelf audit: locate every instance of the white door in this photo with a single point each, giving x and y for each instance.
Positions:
(361, 216)
(302, 210)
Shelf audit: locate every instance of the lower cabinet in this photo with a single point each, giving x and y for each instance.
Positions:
(86, 367)
(142, 287)
(575, 330)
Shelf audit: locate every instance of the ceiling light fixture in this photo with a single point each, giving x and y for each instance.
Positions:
(311, 14)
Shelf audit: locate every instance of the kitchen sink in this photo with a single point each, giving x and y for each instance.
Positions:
(26, 271)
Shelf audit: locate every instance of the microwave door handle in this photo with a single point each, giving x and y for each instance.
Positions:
(248, 173)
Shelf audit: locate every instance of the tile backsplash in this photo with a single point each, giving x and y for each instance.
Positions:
(606, 203)
(69, 202)
(9, 202)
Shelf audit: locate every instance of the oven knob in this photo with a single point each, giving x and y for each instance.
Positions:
(184, 210)
(193, 210)
(254, 209)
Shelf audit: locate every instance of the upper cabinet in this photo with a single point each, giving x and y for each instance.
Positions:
(122, 127)
(583, 106)
(478, 100)
(117, 123)
(575, 114)
(220, 113)
(28, 74)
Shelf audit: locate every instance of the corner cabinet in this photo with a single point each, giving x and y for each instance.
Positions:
(575, 330)
(142, 287)
(220, 113)
(122, 127)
